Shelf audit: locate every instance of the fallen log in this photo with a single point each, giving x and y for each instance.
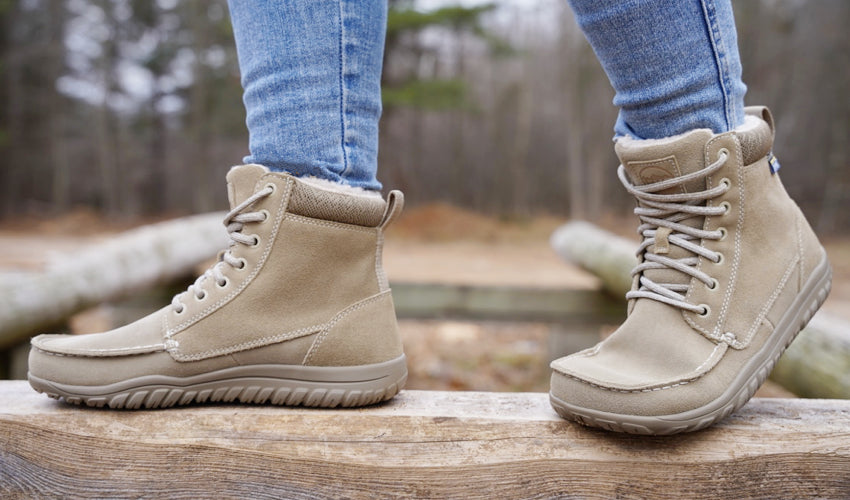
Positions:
(421, 444)
(816, 365)
(131, 261)
(473, 302)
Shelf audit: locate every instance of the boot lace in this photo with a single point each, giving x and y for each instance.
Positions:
(661, 216)
(234, 221)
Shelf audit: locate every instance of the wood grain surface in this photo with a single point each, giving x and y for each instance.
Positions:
(422, 444)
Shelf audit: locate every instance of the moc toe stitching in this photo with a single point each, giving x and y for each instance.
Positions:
(714, 357)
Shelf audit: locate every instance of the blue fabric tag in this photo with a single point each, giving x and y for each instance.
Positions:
(773, 162)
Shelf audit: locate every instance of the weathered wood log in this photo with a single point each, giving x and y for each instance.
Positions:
(472, 302)
(816, 365)
(128, 262)
(606, 255)
(419, 445)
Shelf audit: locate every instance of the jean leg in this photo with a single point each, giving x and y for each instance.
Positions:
(674, 64)
(311, 74)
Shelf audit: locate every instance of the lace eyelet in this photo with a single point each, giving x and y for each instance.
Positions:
(181, 311)
(223, 284)
(201, 297)
(713, 285)
(725, 182)
(720, 259)
(727, 206)
(723, 233)
(266, 215)
(705, 311)
(243, 264)
(723, 151)
(256, 242)
(272, 186)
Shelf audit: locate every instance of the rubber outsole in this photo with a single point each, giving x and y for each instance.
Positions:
(309, 386)
(752, 376)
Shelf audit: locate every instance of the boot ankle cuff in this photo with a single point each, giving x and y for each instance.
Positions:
(335, 202)
(338, 187)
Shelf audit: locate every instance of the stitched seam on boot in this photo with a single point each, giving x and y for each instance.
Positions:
(715, 335)
(154, 348)
(801, 251)
(698, 373)
(767, 305)
(380, 274)
(338, 225)
(739, 229)
(281, 213)
(264, 341)
(326, 329)
(656, 387)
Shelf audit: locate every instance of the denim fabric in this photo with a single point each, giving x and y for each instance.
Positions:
(311, 73)
(674, 64)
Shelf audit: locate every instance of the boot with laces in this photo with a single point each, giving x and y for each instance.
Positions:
(297, 312)
(729, 272)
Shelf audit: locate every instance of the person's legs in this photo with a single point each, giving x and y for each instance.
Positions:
(674, 64)
(311, 72)
(729, 271)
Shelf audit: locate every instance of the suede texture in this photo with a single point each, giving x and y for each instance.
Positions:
(358, 335)
(664, 360)
(311, 291)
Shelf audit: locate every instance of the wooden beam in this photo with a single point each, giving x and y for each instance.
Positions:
(420, 444)
(816, 364)
(129, 262)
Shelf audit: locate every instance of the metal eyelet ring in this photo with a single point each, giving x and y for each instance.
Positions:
(726, 182)
(222, 284)
(243, 264)
(723, 233)
(720, 259)
(713, 285)
(181, 311)
(273, 187)
(705, 311)
(256, 242)
(723, 151)
(266, 215)
(202, 296)
(727, 206)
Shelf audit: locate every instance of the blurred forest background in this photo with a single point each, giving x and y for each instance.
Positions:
(133, 107)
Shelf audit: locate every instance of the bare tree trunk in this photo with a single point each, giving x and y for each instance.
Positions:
(574, 90)
(199, 160)
(108, 167)
(58, 155)
(521, 142)
(13, 115)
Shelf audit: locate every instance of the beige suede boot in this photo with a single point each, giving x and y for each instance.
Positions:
(729, 273)
(297, 311)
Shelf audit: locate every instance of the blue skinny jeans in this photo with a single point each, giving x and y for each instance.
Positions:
(311, 72)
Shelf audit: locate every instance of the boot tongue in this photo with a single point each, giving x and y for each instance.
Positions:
(241, 181)
(656, 160)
